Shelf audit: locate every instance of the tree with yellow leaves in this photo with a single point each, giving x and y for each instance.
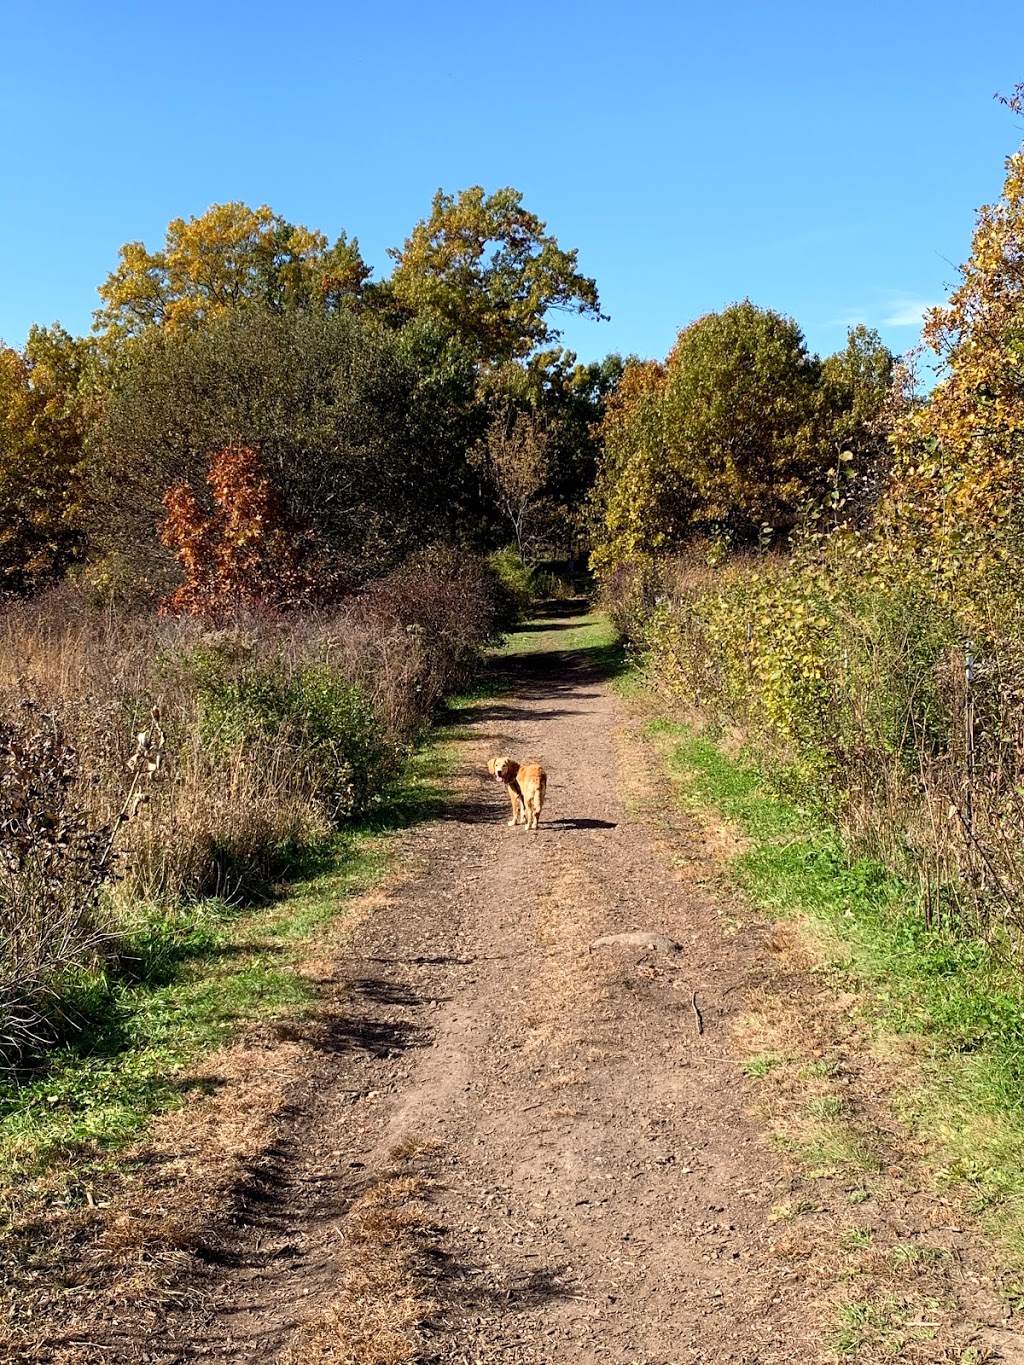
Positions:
(48, 403)
(230, 256)
(958, 491)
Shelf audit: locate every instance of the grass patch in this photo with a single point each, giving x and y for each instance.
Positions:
(589, 638)
(951, 1001)
(877, 1329)
(192, 976)
(189, 978)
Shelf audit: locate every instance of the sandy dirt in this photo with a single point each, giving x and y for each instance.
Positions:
(562, 1125)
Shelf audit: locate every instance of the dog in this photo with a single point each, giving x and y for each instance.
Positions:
(526, 784)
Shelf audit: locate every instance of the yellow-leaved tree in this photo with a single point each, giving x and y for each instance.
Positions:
(229, 256)
(489, 270)
(48, 404)
(957, 498)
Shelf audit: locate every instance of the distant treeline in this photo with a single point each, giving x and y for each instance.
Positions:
(433, 406)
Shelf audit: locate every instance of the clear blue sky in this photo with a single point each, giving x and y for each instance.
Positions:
(822, 159)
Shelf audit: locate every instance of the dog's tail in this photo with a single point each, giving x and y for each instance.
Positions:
(541, 789)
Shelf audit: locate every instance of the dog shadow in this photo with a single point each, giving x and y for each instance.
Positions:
(583, 823)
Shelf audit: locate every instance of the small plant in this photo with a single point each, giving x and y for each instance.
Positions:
(759, 1067)
(908, 1254)
(825, 1107)
(857, 1239)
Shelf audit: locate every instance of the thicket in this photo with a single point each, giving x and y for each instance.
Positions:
(146, 760)
(874, 659)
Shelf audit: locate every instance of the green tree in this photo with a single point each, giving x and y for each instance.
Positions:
(230, 256)
(740, 434)
(854, 392)
(634, 517)
(738, 413)
(343, 411)
(488, 269)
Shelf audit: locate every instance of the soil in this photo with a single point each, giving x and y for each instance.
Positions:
(585, 1176)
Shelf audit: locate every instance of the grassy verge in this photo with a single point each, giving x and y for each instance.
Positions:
(191, 977)
(947, 1010)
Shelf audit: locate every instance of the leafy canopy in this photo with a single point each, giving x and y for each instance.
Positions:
(47, 406)
(739, 434)
(957, 494)
(487, 268)
(230, 256)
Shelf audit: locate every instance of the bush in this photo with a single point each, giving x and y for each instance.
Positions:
(54, 862)
(515, 585)
(310, 719)
(274, 732)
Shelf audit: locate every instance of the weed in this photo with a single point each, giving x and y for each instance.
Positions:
(759, 1067)
(857, 1239)
(825, 1107)
(906, 1255)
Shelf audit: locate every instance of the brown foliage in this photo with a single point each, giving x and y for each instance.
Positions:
(247, 553)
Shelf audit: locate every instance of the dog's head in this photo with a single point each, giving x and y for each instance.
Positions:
(500, 768)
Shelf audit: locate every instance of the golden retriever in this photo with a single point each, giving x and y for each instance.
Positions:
(526, 784)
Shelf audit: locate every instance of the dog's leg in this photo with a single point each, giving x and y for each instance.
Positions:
(513, 796)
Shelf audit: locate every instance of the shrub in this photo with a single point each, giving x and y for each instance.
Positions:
(514, 581)
(54, 862)
(309, 718)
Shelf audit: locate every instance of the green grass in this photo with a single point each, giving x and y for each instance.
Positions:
(190, 978)
(590, 639)
(961, 1000)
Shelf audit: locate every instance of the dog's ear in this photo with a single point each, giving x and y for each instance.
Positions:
(492, 763)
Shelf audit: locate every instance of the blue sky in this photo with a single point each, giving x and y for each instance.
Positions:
(824, 160)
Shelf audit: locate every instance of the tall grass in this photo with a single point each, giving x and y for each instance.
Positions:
(148, 758)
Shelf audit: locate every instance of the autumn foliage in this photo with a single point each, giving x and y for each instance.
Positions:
(247, 553)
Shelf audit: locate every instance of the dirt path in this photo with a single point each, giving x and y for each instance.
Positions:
(502, 1143)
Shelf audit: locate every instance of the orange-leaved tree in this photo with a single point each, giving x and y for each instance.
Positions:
(248, 552)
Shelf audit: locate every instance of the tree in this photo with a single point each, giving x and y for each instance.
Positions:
(854, 399)
(514, 458)
(740, 434)
(737, 411)
(48, 404)
(230, 256)
(247, 553)
(346, 414)
(957, 500)
(567, 400)
(632, 512)
(487, 268)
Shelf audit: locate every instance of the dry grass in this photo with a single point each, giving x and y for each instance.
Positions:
(382, 1287)
(275, 732)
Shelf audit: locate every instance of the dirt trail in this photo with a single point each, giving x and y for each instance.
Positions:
(568, 1118)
